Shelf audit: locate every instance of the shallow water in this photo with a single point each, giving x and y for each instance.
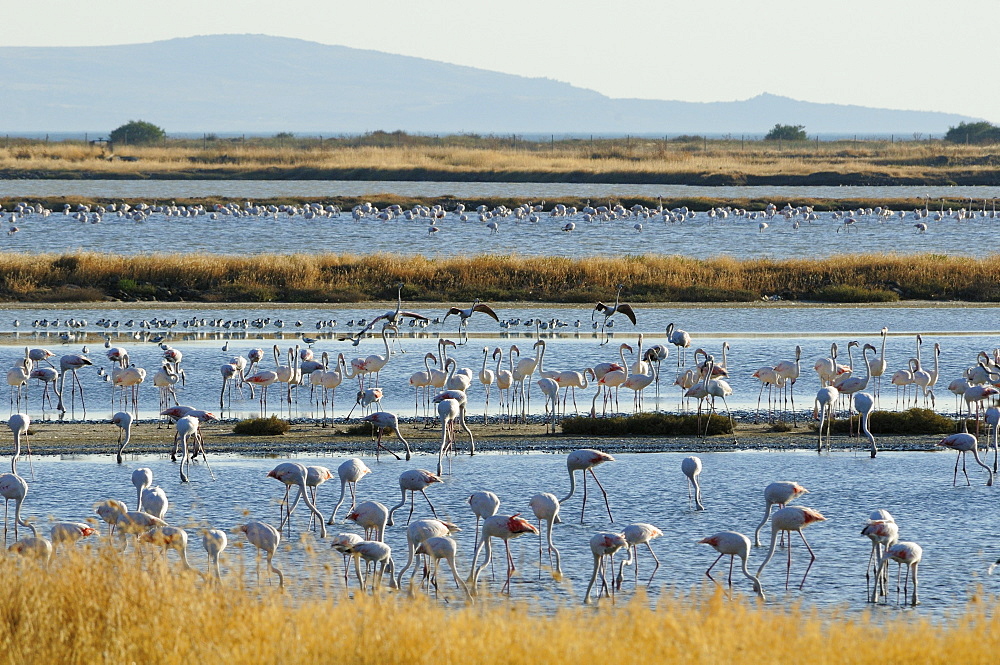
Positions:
(914, 487)
(758, 336)
(261, 189)
(699, 236)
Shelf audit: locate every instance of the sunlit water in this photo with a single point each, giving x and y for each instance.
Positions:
(915, 487)
(758, 336)
(699, 236)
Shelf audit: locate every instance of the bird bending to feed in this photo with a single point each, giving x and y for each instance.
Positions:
(503, 527)
(735, 545)
(779, 493)
(265, 538)
(691, 467)
(964, 443)
(903, 553)
(603, 546)
(413, 481)
(382, 420)
(585, 460)
(465, 314)
(791, 518)
(608, 312)
(637, 534)
(351, 472)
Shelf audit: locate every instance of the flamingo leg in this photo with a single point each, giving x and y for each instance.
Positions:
(606, 503)
(812, 556)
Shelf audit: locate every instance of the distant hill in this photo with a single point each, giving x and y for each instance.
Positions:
(256, 84)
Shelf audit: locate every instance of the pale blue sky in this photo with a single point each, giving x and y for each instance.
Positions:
(904, 54)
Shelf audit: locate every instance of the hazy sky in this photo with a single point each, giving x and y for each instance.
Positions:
(902, 54)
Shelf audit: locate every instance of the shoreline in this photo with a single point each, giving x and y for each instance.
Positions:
(48, 438)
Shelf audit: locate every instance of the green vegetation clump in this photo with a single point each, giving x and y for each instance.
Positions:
(913, 421)
(851, 293)
(645, 424)
(137, 132)
(973, 132)
(786, 133)
(272, 426)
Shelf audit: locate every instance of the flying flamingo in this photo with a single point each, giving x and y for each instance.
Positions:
(691, 467)
(413, 481)
(791, 518)
(779, 493)
(382, 420)
(585, 460)
(293, 473)
(350, 472)
(903, 553)
(545, 506)
(465, 314)
(735, 545)
(503, 527)
(265, 538)
(603, 546)
(608, 312)
(637, 534)
(18, 424)
(214, 541)
(963, 442)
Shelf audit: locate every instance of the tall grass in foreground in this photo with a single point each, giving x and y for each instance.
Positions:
(349, 278)
(95, 607)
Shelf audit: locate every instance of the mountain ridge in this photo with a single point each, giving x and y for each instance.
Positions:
(260, 83)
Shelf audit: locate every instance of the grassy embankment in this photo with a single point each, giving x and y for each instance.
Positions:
(98, 607)
(379, 156)
(85, 277)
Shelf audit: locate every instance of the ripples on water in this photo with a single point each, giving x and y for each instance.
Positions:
(914, 487)
(758, 336)
(699, 236)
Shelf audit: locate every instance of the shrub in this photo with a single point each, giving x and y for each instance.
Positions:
(644, 424)
(973, 132)
(272, 426)
(137, 132)
(786, 133)
(913, 421)
(850, 293)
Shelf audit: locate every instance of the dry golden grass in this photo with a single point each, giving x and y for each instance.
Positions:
(96, 607)
(620, 159)
(343, 278)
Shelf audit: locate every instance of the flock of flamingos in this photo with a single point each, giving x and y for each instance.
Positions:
(703, 380)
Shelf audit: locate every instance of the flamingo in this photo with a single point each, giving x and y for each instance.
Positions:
(420, 381)
(351, 472)
(610, 375)
(791, 518)
(214, 541)
(825, 400)
(691, 467)
(779, 493)
(465, 314)
(165, 379)
(679, 338)
(109, 511)
(545, 507)
(865, 404)
(735, 545)
(877, 365)
(443, 547)
(33, 546)
(504, 527)
(788, 372)
(13, 488)
(17, 379)
(371, 516)
(342, 542)
(265, 538)
(382, 420)
(417, 532)
(637, 534)
(550, 389)
(373, 551)
(262, 379)
(585, 460)
(486, 377)
(186, 427)
(637, 382)
(903, 553)
(153, 501)
(608, 312)
(413, 481)
(505, 379)
(169, 537)
(992, 418)
(47, 375)
(963, 442)
(853, 384)
(883, 533)
(603, 545)
(366, 398)
(18, 424)
(316, 476)
(293, 473)
(375, 363)
(70, 363)
(123, 419)
(69, 532)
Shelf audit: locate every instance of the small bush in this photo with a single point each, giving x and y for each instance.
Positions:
(914, 421)
(644, 424)
(780, 426)
(272, 426)
(849, 293)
